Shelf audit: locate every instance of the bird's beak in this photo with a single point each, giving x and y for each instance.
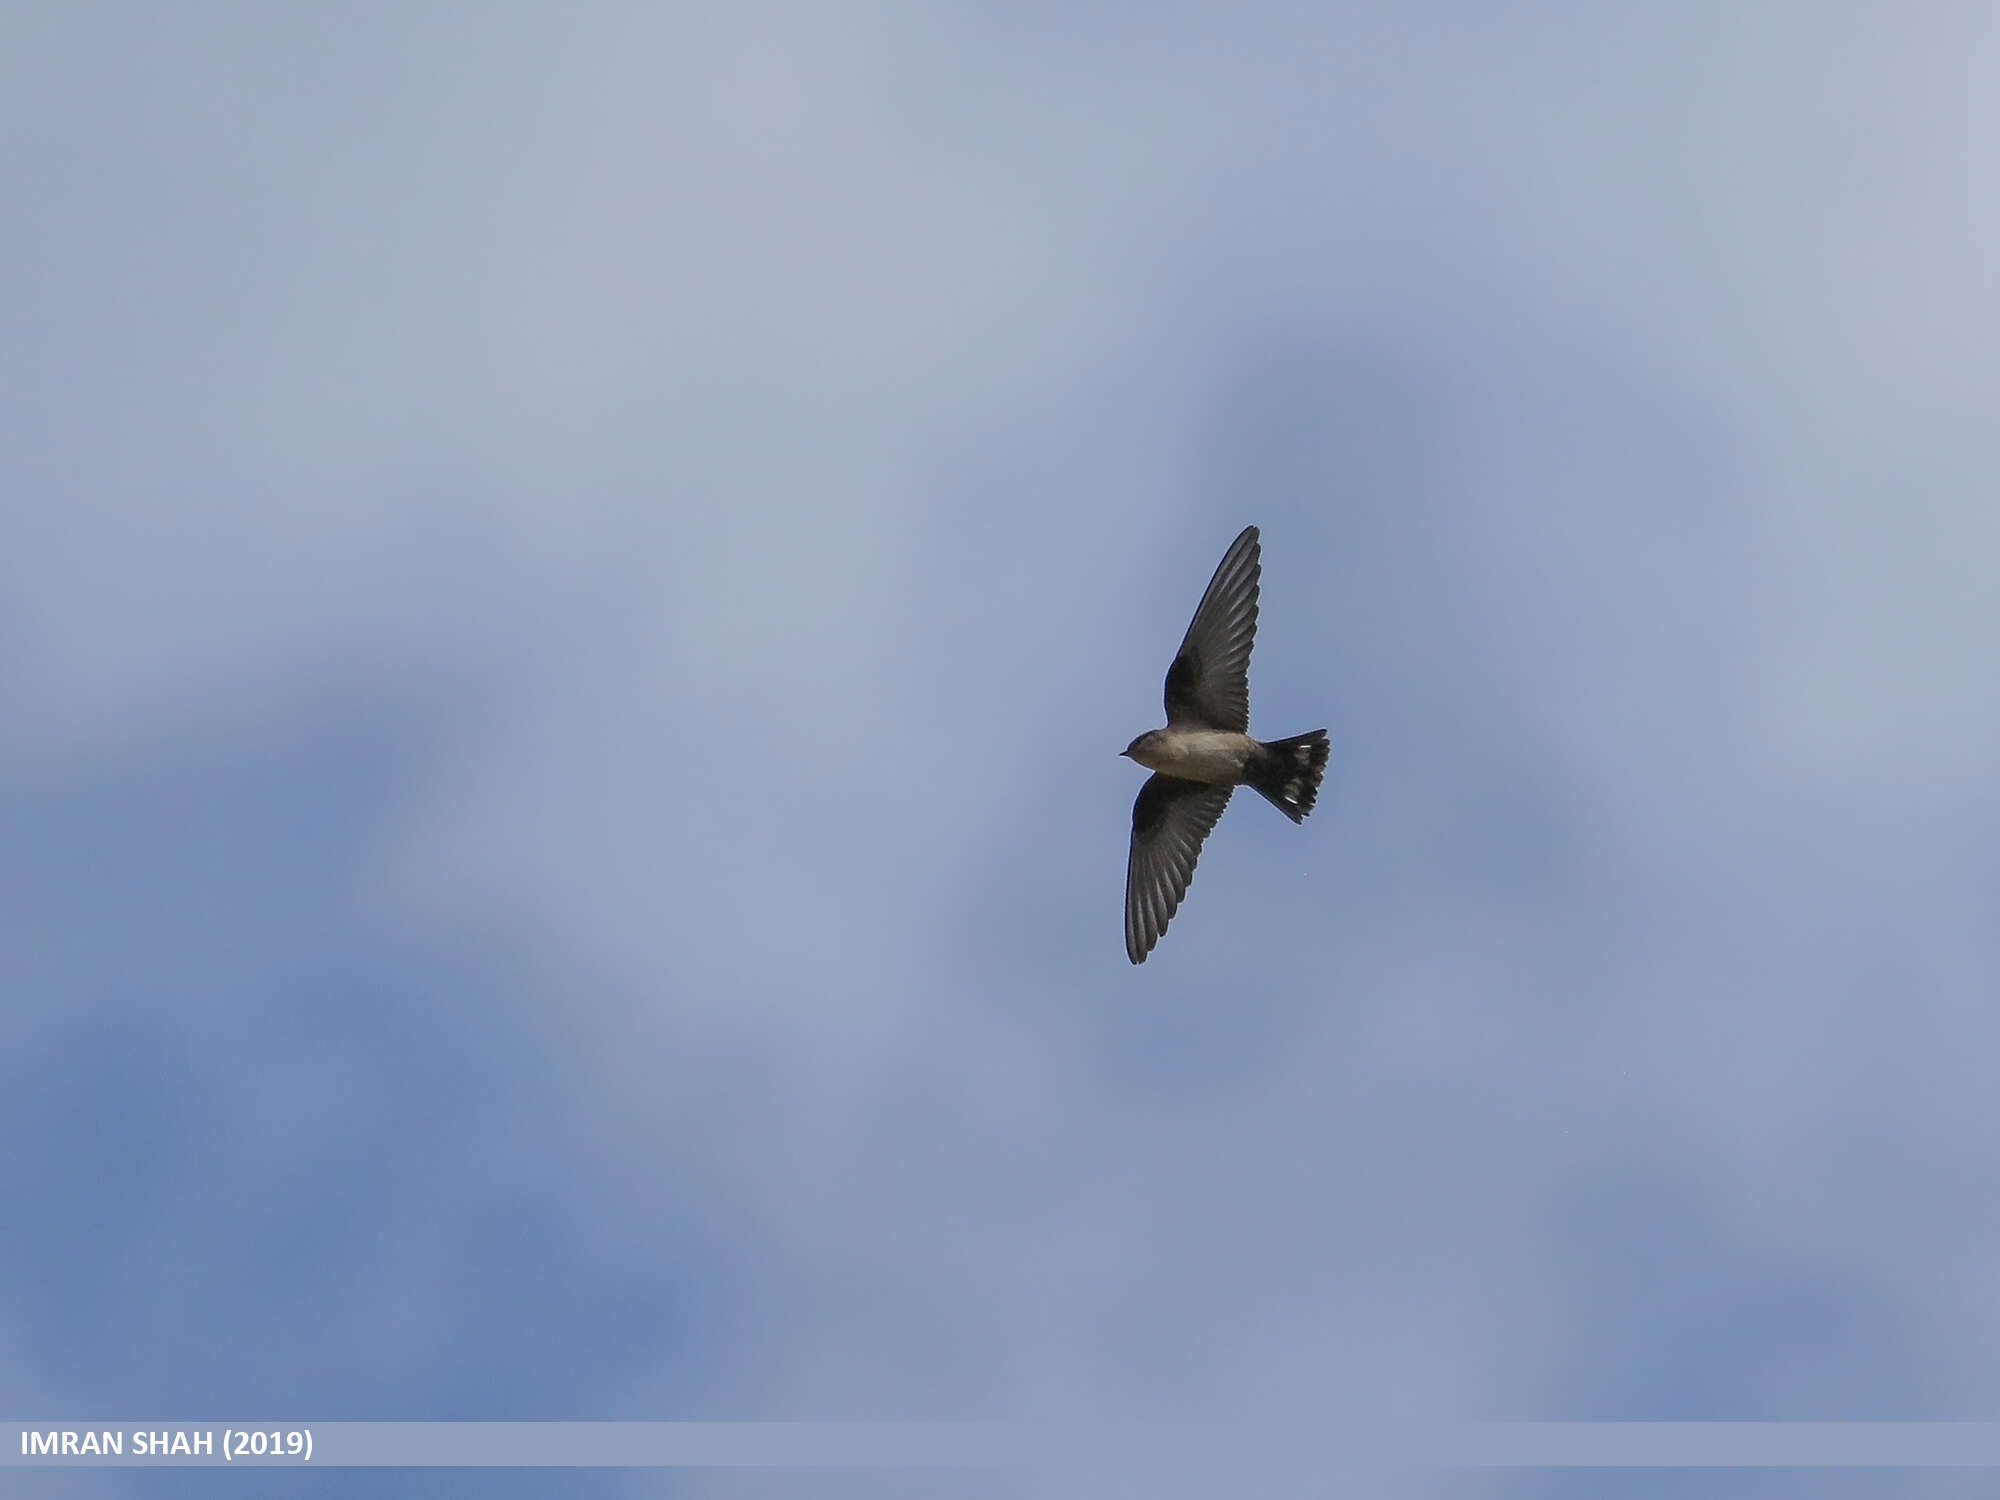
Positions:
(1126, 753)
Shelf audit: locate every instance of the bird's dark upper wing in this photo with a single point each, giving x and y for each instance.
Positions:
(1209, 682)
(1169, 822)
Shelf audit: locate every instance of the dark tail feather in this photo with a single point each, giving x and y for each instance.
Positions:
(1287, 773)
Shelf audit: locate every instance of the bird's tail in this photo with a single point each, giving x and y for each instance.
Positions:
(1287, 773)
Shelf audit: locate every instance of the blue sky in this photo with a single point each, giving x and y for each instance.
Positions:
(572, 582)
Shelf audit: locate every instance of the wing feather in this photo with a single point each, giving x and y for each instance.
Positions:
(1170, 821)
(1209, 681)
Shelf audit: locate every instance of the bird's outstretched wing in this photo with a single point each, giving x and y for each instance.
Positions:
(1169, 822)
(1209, 682)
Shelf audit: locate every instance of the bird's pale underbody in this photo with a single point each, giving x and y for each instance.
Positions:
(1206, 751)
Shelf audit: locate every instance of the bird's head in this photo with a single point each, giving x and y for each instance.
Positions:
(1136, 750)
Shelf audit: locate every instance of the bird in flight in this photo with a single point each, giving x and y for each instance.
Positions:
(1206, 751)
